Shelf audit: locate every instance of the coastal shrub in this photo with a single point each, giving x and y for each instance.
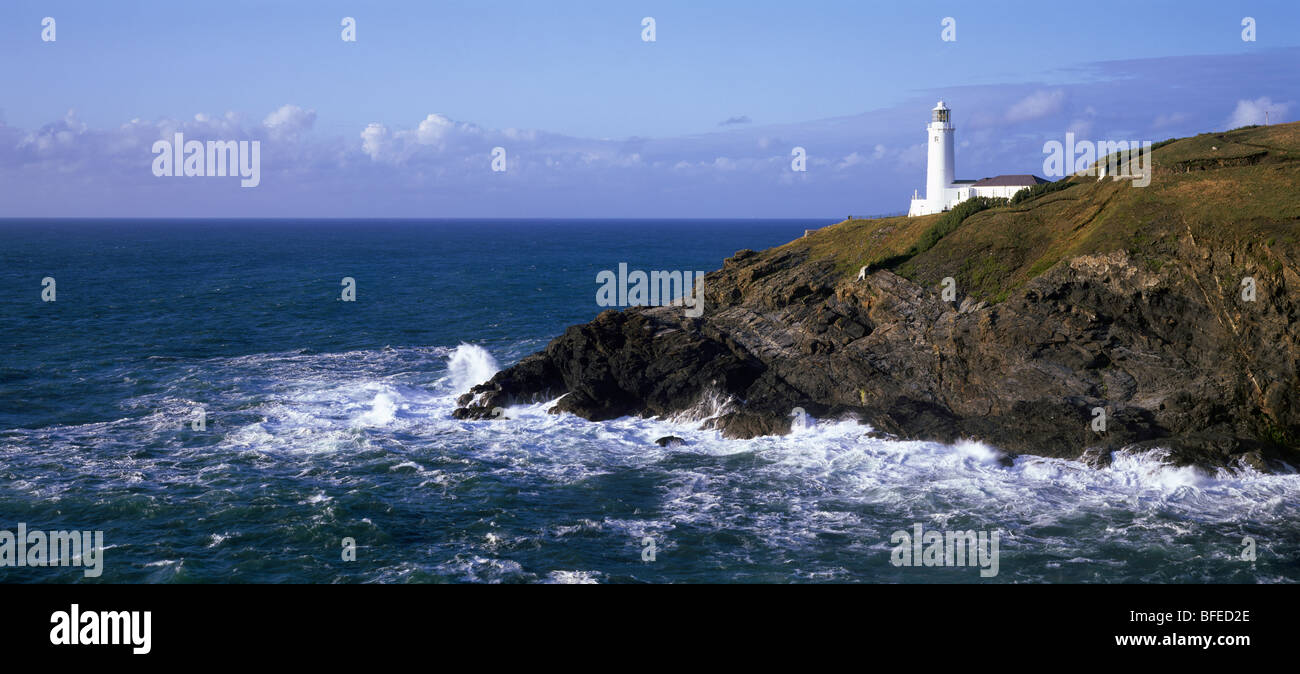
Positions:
(1039, 190)
(946, 223)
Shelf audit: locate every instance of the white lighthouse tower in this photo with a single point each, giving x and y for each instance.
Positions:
(939, 169)
(940, 164)
(942, 190)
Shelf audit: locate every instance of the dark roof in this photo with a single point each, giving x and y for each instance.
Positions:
(962, 182)
(1020, 180)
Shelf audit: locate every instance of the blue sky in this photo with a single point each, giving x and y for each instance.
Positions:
(595, 121)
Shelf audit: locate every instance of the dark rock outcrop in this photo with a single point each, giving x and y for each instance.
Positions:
(1175, 358)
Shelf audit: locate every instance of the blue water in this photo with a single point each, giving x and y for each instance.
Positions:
(328, 420)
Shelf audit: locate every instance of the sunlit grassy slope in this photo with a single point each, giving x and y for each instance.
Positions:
(1238, 189)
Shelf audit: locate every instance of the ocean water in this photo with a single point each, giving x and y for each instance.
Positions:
(328, 420)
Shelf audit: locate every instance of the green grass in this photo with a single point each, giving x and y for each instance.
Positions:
(1231, 190)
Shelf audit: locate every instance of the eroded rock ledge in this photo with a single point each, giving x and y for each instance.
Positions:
(1174, 358)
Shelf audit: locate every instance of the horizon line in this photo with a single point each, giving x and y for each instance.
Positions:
(420, 219)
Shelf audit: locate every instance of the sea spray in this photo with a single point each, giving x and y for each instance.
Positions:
(468, 365)
(383, 410)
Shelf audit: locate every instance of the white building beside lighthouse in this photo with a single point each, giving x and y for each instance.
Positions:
(942, 190)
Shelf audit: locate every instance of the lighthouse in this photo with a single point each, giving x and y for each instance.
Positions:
(942, 190)
(939, 170)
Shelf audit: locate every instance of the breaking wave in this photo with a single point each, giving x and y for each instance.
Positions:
(470, 365)
(303, 450)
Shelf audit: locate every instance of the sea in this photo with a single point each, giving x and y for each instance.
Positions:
(202, 393)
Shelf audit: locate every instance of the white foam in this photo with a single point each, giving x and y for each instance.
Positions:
(310, 415)
(469, 365)
(711, 404)
(573, 578)
(383, 410)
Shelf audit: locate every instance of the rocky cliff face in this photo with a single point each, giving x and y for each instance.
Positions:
(1174, 358)
(1172, 353)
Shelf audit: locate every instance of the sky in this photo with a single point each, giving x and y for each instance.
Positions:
(592, 119)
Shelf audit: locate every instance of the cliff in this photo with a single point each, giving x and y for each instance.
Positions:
(1088, 294)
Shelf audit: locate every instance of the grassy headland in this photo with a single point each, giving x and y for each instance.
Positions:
(1237, 189)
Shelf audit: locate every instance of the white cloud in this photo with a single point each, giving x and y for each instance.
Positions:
(288, 121)
(1036, 105)
(914, 155)
(1252, 112)
(878, 152)
(434, 135)
(438, 130)
(374, 139)
(520, 134)
(1168, 119)
(628, 161)
(851, 160)
(433, 128)
(60, 134)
